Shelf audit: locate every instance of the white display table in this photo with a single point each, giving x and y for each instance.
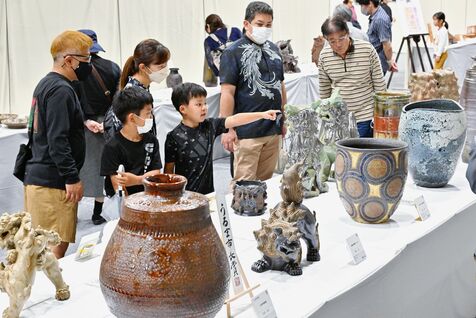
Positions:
(11, 189)
(413, 269)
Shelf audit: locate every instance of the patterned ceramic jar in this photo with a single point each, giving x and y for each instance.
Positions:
(371, 176)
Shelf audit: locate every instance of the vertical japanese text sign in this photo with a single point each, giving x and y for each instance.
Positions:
(225, 224)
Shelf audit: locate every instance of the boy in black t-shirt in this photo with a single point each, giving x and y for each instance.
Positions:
(133, 146)
(189, 146)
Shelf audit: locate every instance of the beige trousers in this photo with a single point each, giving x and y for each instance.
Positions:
(256, 158)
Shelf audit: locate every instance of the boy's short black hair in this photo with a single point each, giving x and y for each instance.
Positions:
(257, 7)
(131, 99)
(183, 93)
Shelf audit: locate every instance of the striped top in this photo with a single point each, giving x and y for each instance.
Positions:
(358, 77)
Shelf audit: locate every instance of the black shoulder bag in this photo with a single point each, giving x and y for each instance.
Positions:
(24, 154)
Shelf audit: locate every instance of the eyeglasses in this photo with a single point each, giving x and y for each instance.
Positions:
(86, 57)
(339, 40)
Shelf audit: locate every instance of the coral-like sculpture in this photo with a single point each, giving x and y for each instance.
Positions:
(313, 132)
(447, 84)
(27, 251)
(290, 220)
(434, 85)
(317, 47)
(290, 61)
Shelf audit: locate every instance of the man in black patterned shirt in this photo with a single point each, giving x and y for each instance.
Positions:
(189, 146)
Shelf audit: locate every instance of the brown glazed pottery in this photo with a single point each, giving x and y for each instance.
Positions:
(165, 258)
(371, 174)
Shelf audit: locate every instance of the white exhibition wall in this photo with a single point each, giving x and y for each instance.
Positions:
(27, 28)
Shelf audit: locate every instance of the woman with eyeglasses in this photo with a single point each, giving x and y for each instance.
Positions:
(148, 64)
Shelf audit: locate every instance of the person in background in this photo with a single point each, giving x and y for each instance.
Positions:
(148, 64)
(353, 67)
(52, 184)
(350, 5)
(98, 88)
(441, 39)
(220, 37)
(189, 146)
(388, 10)
(133, 146)
(380, 33)
(252, 76)
(355, 33)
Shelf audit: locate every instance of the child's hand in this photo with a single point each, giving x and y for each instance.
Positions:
(271, 114)
(127, 179)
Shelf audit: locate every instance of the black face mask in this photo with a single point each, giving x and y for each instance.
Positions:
(83, 70)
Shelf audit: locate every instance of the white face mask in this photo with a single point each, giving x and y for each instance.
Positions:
(147, 126)
(261, 34)
(159, 76)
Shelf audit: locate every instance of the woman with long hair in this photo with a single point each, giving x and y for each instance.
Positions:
(147, 64)
(441, 39)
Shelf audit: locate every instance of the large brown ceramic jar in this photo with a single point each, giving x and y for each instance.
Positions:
(165, 258)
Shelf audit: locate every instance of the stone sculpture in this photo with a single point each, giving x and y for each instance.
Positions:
(249, 197)
(290, 61)
(27, 251)
(313, 131)
(279, 236)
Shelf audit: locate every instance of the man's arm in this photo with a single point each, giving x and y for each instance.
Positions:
(325, 84)
(378, 82)
(227, 107)
(387, 50)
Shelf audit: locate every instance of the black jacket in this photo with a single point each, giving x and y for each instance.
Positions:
(58, 145)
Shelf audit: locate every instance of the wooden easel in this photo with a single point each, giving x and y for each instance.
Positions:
(416, 39)
(248, 290)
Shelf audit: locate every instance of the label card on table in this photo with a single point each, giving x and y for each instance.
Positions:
(355, 248)
(263, 306)
(422, 208)
(86, 246)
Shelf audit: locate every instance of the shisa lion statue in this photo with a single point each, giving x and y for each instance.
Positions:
(279, 236)
(27, 251)
(290, 61)
(313, 132)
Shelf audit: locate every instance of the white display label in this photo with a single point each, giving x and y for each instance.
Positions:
(225, 224)
(263, 306)
(422, 208)
(86, 246)
(355, 248)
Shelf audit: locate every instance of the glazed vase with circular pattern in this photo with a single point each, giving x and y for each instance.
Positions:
(165, 258)
(435, 131)
(371, 175)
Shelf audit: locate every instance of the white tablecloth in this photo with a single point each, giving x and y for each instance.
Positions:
(459, 58)
(11, 189)
(413, 269)
(302, 88)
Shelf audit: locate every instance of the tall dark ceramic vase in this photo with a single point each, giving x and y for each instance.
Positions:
(174, 78)
(435, 131)
(165, 258)
(468, 101)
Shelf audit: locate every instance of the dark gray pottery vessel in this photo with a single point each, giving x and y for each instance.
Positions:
(174, 78)
(435, 131)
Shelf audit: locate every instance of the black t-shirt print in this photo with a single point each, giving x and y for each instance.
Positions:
(137, 158)
(191, 150)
